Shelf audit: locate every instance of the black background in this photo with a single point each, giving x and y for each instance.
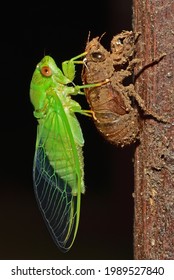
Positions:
(28, 32)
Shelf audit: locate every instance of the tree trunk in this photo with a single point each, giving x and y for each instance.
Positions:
(154, 159)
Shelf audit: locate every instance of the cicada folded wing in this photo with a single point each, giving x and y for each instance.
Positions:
(53, 180)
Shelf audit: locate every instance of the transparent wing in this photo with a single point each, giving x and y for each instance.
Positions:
(54, 179)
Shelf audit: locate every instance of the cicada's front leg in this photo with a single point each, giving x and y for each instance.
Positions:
(68, 66)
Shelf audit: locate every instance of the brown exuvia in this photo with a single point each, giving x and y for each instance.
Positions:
(114, 104)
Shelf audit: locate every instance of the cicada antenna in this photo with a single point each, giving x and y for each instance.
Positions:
(101, 37)
(89, 34)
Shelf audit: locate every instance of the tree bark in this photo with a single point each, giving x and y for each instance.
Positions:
(154, 158)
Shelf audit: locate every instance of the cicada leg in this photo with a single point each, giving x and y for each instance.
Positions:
(77, 89)
(68, 66)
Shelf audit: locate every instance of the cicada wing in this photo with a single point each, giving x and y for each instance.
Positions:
(59, 207)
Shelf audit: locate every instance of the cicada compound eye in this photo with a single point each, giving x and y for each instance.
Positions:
(97, 56)
(46, 71)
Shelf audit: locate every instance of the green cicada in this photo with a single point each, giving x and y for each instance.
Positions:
(58, 162)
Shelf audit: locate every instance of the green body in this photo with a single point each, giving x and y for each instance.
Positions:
(58, 163)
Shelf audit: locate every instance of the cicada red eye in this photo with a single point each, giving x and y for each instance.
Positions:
(46, 71)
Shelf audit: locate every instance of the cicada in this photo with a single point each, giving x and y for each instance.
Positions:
(115, 114)
(117, 108)
(58, 169)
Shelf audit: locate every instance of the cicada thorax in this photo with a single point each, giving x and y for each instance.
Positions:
(114, 112)
(123, 48)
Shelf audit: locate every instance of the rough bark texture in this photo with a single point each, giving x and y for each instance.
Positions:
(154, 159)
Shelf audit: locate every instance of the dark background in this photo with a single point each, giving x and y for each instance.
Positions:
(106, 224)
